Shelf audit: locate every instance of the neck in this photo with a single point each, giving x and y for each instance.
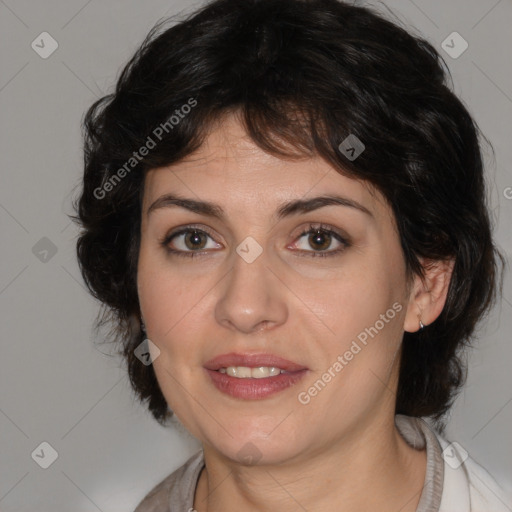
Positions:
(365, 470)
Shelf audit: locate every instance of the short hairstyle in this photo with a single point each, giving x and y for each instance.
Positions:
(302, 75)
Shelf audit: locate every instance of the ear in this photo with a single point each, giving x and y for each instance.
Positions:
(428, 295)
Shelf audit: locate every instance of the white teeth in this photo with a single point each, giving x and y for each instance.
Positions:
(244, 372)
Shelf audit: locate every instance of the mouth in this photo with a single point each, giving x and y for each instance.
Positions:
(253, 376)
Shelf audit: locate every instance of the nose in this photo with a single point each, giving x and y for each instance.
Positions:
(252, 297)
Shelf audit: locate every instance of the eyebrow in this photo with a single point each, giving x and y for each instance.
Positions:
(285, 210)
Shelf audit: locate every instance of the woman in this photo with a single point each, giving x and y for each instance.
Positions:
(284, 209)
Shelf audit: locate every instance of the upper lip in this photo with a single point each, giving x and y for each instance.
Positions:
(252, 361)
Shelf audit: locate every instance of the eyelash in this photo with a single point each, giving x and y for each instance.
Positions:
(312, 228)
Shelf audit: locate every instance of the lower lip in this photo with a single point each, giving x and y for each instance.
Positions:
(254, 389)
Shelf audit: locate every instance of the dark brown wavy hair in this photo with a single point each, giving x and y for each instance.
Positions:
(302, 75)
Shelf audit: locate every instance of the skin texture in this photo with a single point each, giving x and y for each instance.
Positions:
(327, 454)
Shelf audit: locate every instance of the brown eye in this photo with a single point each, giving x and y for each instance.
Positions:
(320, 238)
(187, 242)
(194, 240)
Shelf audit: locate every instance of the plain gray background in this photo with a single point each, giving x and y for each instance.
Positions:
(57, 385)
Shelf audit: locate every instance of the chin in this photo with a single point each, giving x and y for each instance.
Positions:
(251, 444)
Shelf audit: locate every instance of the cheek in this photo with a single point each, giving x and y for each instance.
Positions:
(171, 305)
(364, 311)
(171, 308)
(353, 300)
(159, 296)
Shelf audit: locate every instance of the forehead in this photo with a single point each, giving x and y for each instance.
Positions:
(230, 169)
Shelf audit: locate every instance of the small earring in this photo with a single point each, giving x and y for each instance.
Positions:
(421, 325)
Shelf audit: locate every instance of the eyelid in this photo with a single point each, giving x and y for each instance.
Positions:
(189, 227)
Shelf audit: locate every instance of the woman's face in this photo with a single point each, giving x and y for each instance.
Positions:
(257, 285)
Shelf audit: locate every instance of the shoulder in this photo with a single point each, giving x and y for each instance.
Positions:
(176, 489)
(468, 486)
(460, 483)
(485, 492)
